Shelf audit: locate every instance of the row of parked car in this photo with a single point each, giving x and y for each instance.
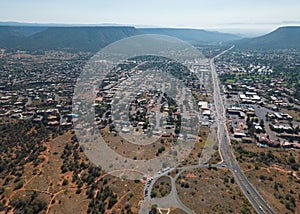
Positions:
(147, 187)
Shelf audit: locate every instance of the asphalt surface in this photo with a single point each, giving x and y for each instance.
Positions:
(171, 200)
(229, 161)
(259, 204)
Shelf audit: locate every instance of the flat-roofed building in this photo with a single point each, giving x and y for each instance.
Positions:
(203, 105)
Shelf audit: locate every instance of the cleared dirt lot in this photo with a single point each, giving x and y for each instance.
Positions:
(211, 191)
(270, 172)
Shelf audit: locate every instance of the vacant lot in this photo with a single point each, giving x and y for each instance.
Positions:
(211, 191)
(64, 181)
(274, 173)
(134, 151)
(162, 187)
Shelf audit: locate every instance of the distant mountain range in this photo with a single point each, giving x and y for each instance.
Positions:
(68, 38)
(282, 38)
(193, 36)
(93, 38)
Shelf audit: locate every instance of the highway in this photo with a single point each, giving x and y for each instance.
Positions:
(229, 161)
(259, 204)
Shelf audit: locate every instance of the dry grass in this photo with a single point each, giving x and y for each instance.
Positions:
(193, 157)
(211, 191)
(295, 114)
(286, 185)
(275, 180)
(134, 151)
(177, 211)
(162, 186)
(46, 179)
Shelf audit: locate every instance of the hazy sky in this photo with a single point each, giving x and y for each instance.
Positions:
(262, 14)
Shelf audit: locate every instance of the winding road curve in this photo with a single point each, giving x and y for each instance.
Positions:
(229, 161)
(258, 203)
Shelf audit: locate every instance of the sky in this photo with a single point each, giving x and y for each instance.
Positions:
(265, 15)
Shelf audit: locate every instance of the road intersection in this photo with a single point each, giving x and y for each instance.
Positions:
(228, 161)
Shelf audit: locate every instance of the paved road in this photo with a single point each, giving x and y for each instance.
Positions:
(29, 101)
(229, 161)
(259, 204)
(171, 200)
